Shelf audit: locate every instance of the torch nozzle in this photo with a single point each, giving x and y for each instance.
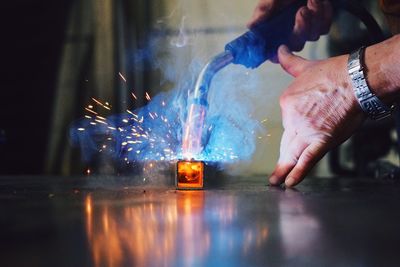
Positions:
(197, 106)
(207, 73)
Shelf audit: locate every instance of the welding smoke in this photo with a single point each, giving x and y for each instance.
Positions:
(154, 132)
(182, 39)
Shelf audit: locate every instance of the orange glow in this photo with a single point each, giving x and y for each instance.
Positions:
(168, 229)
(144, 234)
(193, 131)
(190, 174)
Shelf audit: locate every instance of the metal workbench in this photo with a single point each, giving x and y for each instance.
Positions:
(107, 221)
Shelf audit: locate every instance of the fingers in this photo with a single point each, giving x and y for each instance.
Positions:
(302, 25)
(296, 161)
(265, 9)
(262, 11)
(309, 157)
(290, 150)
(323, 13)
(311, 22)
(292, 64)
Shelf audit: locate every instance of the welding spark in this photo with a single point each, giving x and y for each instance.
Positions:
(122, 76)
(148, 96)
(133, 114)
(100, 104)
(102, 122)
(101, 118)
(151, 133)
(91, 111)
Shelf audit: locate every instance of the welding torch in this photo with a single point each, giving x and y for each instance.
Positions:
(251, 49)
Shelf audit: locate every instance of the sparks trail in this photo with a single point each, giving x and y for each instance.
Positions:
(106, 105)
(148, 97)
(146, 134)
(134, 133)
(154, 132)
(122, 76)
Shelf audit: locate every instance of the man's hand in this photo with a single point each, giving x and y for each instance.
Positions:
(319, 111)
(311, 22)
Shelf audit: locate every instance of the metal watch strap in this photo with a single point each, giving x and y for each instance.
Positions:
(369, 102)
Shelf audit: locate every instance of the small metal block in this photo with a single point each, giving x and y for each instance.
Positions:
(189, 174)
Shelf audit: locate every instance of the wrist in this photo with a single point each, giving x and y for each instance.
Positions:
(383, 70)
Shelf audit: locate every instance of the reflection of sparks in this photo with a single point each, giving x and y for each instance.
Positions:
(165, 230)
(88, 203)
(129, 235)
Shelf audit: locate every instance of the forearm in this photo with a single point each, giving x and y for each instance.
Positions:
(383, 69)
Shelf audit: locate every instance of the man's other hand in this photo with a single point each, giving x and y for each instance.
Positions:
(311, 22)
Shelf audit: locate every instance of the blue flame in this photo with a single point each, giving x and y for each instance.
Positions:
(154, 132)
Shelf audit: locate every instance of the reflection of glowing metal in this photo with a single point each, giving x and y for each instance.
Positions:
(175, 229)
(120, 236)
(190, 174)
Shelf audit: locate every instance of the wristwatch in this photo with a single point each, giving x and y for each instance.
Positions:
(368, 101)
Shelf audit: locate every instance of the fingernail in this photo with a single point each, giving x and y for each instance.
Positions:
(290, 181)
(273, 179)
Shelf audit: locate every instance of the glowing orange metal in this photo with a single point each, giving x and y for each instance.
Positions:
(190, 174)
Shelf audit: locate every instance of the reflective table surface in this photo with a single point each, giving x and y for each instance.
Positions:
(99, 221)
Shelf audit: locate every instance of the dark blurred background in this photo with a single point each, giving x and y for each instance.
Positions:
(33, 36)
(58, 54)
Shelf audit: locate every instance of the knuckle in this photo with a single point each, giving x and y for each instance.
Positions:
(283, 100)
(308, 158)
(264, 5)
(314, 36)
(325, 29)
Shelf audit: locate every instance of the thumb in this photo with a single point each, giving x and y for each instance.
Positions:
(292, 64)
